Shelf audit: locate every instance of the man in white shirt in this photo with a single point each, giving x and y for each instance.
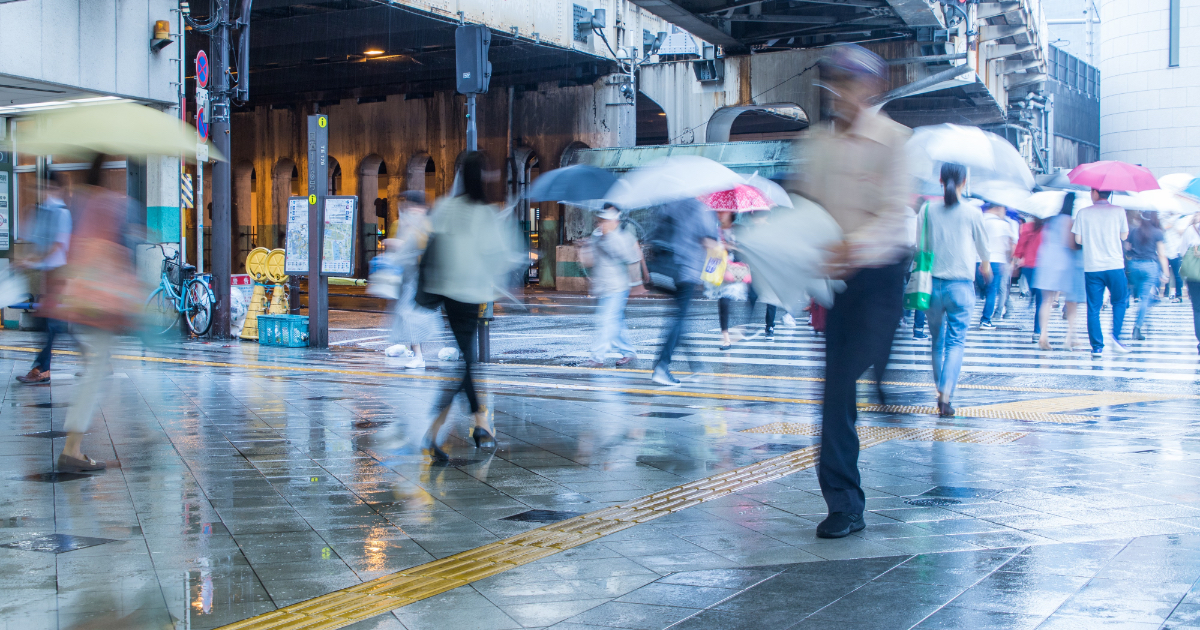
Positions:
(1101, 229)
(1000, 249)
(52, 239)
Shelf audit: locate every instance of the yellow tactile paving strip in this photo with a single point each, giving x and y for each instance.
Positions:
(969, 436)
(378, 596)
(1072, 403)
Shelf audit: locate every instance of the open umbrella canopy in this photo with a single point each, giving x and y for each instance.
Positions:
(1176, 182)
(987, 156)
(111, 129)
(740, 198)
(1113, 175)
(671, 179)
(1159, 200)
(572, 183)
(1057, 181)
(774, 192)
(787, 253)
(1045, 204)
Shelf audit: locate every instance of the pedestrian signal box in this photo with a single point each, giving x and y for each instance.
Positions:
(473, 71)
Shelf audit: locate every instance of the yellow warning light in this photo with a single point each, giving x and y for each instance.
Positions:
(374, 52)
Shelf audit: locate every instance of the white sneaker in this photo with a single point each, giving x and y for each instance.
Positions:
(416, 364)
(1119, 347)
(788, 320)
(397, 350)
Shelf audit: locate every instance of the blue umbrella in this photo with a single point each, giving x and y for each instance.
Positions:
(572, 183)
(1193, 189)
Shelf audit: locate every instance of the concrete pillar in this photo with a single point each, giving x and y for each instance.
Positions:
(162, 199)
(244, 227)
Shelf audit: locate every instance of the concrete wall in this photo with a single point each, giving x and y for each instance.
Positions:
(403, 134)
(749, 80)
(97, 45)
(1149, 113)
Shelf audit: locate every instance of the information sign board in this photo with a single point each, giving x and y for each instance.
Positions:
(5, 231)
(296, 238)
(337, 253)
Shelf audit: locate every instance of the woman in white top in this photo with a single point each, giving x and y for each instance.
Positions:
(954, 232)
(468, 253)
(1189, 241)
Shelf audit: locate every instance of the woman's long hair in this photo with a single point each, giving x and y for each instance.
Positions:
(471, 172)
(1068, 205)
(953, 175)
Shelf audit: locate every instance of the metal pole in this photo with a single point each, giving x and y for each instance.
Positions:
(318, 188)
(472, 130)
(199, 193)
(182, 121)
(222, 257)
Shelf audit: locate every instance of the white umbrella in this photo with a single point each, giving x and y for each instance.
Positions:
(987, 156)
(1046, 204)
(787, 253)
(1156, 201)
(671, 179)
(774, 192)
(1175, 182)
(1002, 193)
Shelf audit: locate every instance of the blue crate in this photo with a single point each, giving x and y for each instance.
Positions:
(288, 331)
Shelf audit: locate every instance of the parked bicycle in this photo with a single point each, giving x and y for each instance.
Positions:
(181, 294)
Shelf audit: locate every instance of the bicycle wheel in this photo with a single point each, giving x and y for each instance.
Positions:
(160, 312)
(198, 304)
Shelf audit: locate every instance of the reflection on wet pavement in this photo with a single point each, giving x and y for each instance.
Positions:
(233, 491)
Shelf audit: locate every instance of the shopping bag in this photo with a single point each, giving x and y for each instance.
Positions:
(920, 282)
(1189, 269)
(714, 267)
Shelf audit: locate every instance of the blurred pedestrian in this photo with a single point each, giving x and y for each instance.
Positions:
(1149, 271)
(911, 226)
(1000, 251)
(1173, 229)
(956, 234)
(412, 324)
(732, 288)
(856, 170)
(608, 254)
(688, 229)
(98, 292)
(1189, 244)
(1025, 258)
(468, 254)
(1101, 228)
(1059, 272)
(51, 242)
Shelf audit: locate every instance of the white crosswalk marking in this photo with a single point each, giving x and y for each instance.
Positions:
(1168, 354)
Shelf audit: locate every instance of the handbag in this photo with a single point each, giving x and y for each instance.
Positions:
(423, 297)
(713, 272)
(1189, 268)
(385, 277)
(920, 282)
(738, 272)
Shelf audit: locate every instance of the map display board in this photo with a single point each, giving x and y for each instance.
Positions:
(296, 244)
(337, 255)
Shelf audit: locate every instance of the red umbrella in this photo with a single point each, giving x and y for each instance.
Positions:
(740, 198)
(1113, 175)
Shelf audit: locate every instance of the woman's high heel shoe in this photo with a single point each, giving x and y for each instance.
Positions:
(483, 438)
(435, 452)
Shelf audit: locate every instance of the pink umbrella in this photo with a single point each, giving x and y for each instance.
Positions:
(740, 198)
(1113, 175)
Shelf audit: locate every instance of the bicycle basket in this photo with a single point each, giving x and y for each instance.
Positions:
(173, 270)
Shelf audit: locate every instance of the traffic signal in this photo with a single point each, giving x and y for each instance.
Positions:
(473, 70)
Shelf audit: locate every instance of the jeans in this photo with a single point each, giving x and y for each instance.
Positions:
(1145, 276)
(1095, 282)
(919, 322)
(1194, 296)
(1174, 264)
(993, 291)
(859, 333)
(464, 323)
(612, 327)
(54, 328)
(1027, 273)
(683, 302)
(950, 307)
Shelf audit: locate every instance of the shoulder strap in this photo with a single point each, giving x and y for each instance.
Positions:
(925, 234)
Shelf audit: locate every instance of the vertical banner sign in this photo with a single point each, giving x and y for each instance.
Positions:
(296, 239)
(338, 251)
(5, 207)
(318, 189)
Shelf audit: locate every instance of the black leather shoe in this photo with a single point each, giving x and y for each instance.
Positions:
(840, 525)
(945, 410)
(483, 438)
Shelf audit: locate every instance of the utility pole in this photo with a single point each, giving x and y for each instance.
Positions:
(222, 255)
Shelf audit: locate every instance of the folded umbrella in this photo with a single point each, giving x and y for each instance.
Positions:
(1113, 175)
(111, 129)
(579, 182)
(740, 198)
(671, 179)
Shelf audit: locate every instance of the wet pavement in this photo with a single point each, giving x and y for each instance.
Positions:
(245, 479)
